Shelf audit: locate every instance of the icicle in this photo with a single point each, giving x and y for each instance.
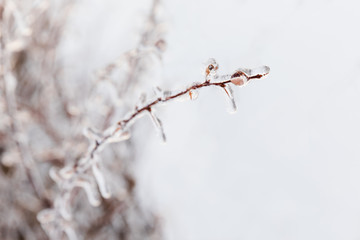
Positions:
(229, 92)
(242, 75)
(90, 189)
(100, 179)
(158, 124)
(194, 94)
(239, 78)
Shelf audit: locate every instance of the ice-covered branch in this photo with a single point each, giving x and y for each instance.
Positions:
(78, 175)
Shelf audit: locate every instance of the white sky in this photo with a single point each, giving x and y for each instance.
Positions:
(286, 165)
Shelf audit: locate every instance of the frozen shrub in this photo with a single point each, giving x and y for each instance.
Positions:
(66, 161)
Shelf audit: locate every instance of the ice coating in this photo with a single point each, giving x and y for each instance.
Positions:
(100, 180)
(229, 92)
(90, 189)
(194, 94)
(158, 124)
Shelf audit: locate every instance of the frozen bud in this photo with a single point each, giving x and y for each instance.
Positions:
(194, 94)
(243, 75)
(211, 67)
(239, 78)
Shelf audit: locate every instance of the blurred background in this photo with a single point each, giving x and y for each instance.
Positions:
(285, 165)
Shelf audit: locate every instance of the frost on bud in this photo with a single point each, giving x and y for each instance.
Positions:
(194, 94)
(158, 124)
(90, 189)
(211, 67)
(229, 92)
(100, 180)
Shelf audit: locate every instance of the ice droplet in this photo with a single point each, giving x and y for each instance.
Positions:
(229, 92)
(100, 179)
(158, 124)
(194, 94)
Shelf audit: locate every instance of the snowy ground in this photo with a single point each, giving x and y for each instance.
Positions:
(286, 165)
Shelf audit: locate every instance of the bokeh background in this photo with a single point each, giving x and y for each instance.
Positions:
(286, 164)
